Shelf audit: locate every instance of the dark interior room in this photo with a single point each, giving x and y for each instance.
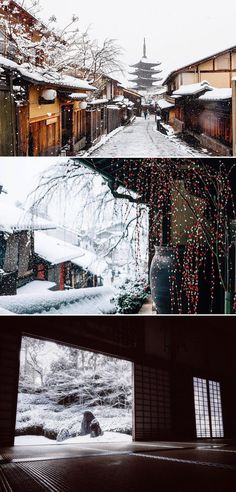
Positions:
(183, 408)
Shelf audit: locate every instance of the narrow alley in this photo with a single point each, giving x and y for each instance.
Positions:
(141, 139)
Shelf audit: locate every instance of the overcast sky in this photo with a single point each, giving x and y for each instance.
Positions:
(19, 176)
(177, 32)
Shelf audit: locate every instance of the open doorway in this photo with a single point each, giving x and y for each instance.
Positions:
(69, 395)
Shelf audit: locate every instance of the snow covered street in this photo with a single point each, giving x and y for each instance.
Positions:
(141, 139)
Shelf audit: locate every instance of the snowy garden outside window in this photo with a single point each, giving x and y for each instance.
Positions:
(58, 384)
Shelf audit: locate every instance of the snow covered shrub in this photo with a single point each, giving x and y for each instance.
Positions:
(62, 435)
(132, 295)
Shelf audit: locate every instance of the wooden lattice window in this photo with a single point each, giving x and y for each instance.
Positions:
(208, 408)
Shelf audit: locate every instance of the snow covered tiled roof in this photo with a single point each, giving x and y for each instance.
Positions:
(89, 261)
(160, 91)
(98, 101)
(36, 287)
(191, 89)
(14, 219)
(92, 300)
(217, 94)
(77, 95)
(163, 104)
(56, 251)
(118, 98)
(40, 76)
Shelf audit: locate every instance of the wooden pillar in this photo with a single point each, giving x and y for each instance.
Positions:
(234, 116)
(10, 341)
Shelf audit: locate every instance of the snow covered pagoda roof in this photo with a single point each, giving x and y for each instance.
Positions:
(145, 63)
(145, 72)
(56, 251)
(38, 75)
(14, 219)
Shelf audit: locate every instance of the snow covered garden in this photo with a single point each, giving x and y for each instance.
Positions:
(57, 384)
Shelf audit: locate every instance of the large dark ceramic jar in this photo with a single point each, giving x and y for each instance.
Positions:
(160, 272)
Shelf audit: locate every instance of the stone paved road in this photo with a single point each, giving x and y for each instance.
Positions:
(141, 139)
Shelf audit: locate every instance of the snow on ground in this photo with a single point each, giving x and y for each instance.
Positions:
(104, 139)
(92, 300)
(141, 139)
(36, 287)
(5, 312)
(106, 437)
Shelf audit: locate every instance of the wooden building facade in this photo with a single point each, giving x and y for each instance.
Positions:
(207, 118)
(218, 69)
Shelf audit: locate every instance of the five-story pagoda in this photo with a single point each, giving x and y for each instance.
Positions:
(144, 72)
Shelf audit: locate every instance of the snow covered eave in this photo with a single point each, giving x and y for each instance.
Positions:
(217, 94)
(163, 104)
(74, 96)
(11, 228)
(113, 106)
(38, 76)
(192, 89)
(94, 102)
(90, 264)
(14, 219)
(65, 82)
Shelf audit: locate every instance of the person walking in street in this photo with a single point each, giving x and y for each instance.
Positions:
(145, 114)
(158, 119)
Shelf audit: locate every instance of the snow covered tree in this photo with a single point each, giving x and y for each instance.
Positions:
(28, 40)
(93, 60)
(116, 230)
(33, 369)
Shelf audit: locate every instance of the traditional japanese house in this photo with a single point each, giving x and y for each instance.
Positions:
(103, 116)
(234, 114)
(42, 111)
(17, 230)
(45, 112)
(135, 98)
(127, 109)
(66, 265)
(205, 113)
(209, 116)
(167, 110)
(218, 69)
